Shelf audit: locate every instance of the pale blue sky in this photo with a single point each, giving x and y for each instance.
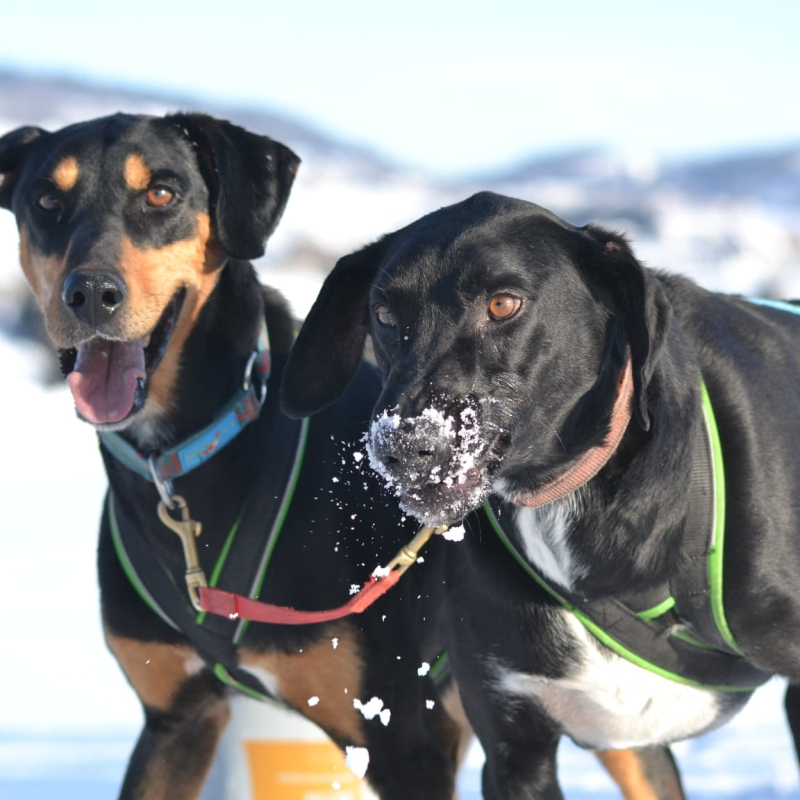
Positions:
(451, 86)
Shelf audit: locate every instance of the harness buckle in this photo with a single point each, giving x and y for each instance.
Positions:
(188, 530)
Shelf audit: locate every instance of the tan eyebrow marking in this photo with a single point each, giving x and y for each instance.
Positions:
(137, 174)
(65, 175)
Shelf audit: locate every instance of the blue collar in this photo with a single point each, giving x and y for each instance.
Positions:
(161, 466)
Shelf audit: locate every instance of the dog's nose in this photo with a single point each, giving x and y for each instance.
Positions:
(412, 450)
(93, 297)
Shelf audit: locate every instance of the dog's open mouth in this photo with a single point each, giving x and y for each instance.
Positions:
(108, 378)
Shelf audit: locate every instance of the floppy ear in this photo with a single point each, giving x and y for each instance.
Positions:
(330, 344)
(249, 178)
(644, 307)
(13, 147)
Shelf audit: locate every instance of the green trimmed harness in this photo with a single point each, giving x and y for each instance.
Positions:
(685, 636)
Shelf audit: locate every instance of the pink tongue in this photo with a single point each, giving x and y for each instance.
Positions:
(103, 382)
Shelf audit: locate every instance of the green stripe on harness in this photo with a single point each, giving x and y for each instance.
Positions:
(715, 588)
(717, 548)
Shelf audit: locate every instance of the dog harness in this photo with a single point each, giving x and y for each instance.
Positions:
(677, 631)
(214, 637)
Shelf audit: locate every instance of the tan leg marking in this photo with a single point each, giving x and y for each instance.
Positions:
(451, 700)
(332, 675)
(136, 173)
(154, 669)
(66, 173)
(625, 767)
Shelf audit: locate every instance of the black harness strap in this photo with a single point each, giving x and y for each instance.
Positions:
(216, 638)
(704, 657)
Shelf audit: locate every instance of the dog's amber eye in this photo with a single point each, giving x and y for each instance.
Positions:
(384, 315)
(159, 196)
(49, 201)
(504, 306)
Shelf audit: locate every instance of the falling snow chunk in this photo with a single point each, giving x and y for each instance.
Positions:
(380, 572)
(312, 701)
(336, 786)
(455, 534)
(374, 708)
(357, 456)
(354, 588)
(357, 759)
(335, 642)
(429, 704)
(335, 480)
(424, 669)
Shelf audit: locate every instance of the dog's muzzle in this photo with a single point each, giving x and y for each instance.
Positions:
(433, 462)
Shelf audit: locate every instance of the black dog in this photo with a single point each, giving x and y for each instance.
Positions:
(134, 234)
(539, 366)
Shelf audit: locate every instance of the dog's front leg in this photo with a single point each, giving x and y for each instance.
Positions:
(185, 711)
(644, 774)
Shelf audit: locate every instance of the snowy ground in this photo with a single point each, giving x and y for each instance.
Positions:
(67, 717)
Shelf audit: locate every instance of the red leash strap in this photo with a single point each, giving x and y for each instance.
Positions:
(237, 606)
(595, 458)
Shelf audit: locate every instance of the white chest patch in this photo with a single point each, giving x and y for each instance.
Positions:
(610, 703)
(544, 534)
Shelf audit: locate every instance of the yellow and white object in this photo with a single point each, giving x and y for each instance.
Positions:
(272, 753)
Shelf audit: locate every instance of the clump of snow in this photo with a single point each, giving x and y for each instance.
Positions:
(357, 760)
(380, 572)
(424, 669)
(335, 642)
(466, 443)
(454, 534)
(429, 704)
(312, 701)
(354, 588)
(373, 708)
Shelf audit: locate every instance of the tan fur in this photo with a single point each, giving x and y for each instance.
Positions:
(155, 670)
(136, 173)
(333, 675)
(625, 768)
(42, 272)
(153, 277)
(66, 173)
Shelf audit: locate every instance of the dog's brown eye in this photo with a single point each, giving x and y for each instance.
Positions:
(159, 196)
(49, 201)
(504, 306)
(384, 315)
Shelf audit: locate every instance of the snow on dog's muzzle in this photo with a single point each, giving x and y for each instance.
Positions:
(432, 462)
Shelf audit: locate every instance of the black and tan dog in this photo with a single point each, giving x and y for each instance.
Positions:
(595, 405)
(134, 237)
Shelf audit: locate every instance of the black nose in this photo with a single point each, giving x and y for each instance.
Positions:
(93, 297)
(415, 450)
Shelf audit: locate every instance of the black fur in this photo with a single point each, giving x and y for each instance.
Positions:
(540, 385)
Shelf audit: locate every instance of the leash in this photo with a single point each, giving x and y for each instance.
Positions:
(595, 458)
(235, 606)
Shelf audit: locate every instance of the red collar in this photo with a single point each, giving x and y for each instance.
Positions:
(595, 458)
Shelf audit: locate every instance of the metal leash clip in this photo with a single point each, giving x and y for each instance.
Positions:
(188, 530)
(407, 555)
